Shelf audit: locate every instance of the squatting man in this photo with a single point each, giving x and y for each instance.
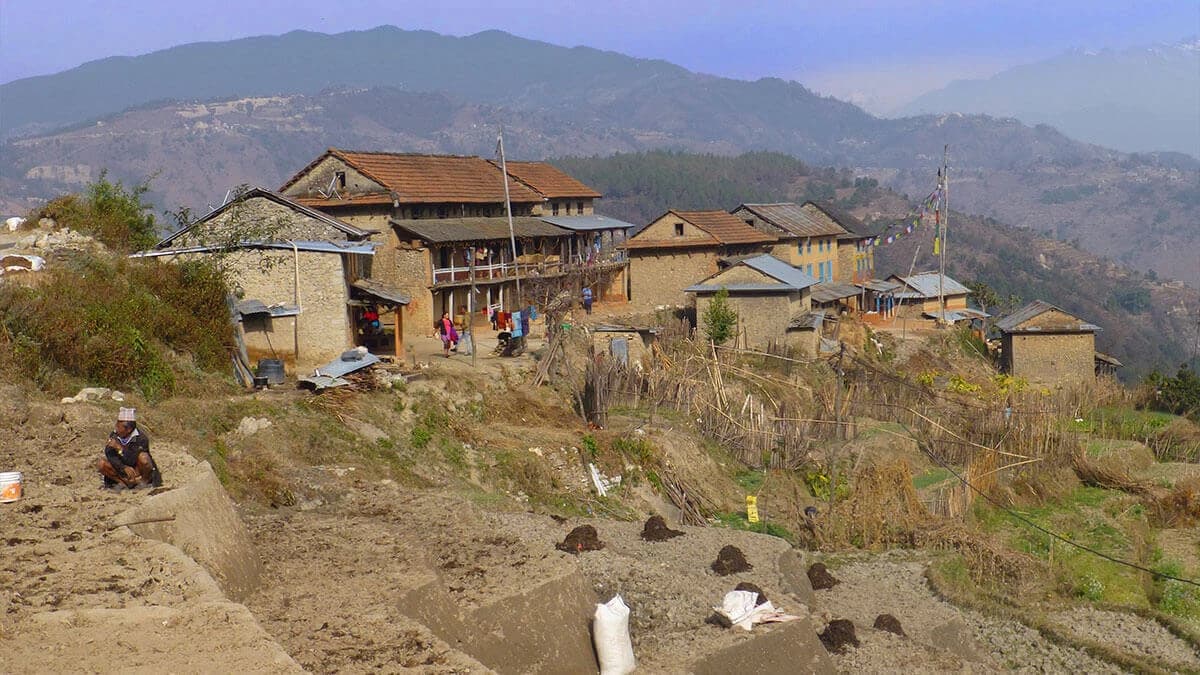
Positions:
(127, 462)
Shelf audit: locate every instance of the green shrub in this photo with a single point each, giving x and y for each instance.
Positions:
(720, 321)
(115, 322)
(114, 215)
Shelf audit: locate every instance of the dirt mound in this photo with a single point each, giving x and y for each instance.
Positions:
(838, 634)
(820, 578)
(753, 588)
(656, 530)
(580, 539)
(889, 623)
(731, 560)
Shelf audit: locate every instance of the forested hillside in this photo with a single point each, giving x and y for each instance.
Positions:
(1145, 323)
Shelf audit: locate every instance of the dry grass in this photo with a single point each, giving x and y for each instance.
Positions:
(882, 510)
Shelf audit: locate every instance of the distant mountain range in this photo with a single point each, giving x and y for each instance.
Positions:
(204, 117)
(1135, 100)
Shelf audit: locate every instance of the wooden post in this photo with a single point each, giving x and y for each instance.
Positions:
(399, 333)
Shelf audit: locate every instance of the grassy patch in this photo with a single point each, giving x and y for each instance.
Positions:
(930, 477)
(751, 481)
(1090, 517)
(738, 521)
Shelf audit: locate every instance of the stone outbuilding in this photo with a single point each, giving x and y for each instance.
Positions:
(299, 277)
(766, 293)
(679, 248)
(1048, 346)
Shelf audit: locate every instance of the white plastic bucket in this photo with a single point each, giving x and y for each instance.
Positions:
(10, 486)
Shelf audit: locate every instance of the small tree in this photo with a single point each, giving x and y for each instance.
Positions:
(985, 296)
(720, 320)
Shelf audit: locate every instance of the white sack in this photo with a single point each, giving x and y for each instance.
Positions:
(611, 631)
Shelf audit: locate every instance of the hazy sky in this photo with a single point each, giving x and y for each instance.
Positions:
(881, 53)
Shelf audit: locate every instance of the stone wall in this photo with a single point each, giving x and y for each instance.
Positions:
(658, 277)
(762, 317)
(319, 177)
(1051, 359)
(261, 219)
(325, 330)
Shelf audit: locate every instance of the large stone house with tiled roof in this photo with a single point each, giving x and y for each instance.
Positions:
(441, 218)
(563, 195)
(679, 248)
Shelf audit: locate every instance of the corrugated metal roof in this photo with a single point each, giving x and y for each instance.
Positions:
(356, 247)
(263, 193)
(382, 291)
(790, 279)
(791, 219)
(956, 315)
(808, 321)
(829, 291)
(442, 230)
(740, 287)
(926, 284)
(1012, 322)
(778, 269)
(588, 223)
(826, 212)
(880, 285)
(253, 307)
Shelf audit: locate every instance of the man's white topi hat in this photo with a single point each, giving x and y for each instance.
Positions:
(127, 415)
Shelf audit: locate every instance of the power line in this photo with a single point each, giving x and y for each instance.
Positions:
(1049, 533)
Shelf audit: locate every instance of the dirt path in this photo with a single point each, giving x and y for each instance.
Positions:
(941, 636)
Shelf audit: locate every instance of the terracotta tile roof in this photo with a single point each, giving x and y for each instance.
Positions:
(548, 180)
(724, 227)
(431, 179)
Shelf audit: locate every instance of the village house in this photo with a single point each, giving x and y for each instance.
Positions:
(825, 243)
(1048, 346)
(441, 222)
(766, 293)
(681, 247)
(300, 277)
(919, 294)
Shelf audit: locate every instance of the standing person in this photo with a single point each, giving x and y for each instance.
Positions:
(446, 331)
(127, 462)
(587, 299)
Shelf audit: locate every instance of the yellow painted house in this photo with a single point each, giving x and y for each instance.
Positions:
(814, 239)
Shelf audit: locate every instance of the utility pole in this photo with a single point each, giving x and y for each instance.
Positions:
(945, 227)
(512, 237)
(470, 322)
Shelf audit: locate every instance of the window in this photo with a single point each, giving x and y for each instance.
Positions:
(443, 212)
(341, 178)
(579, 208)
(678, 229)
(554, 208)
(810, 250)
(810, 269)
